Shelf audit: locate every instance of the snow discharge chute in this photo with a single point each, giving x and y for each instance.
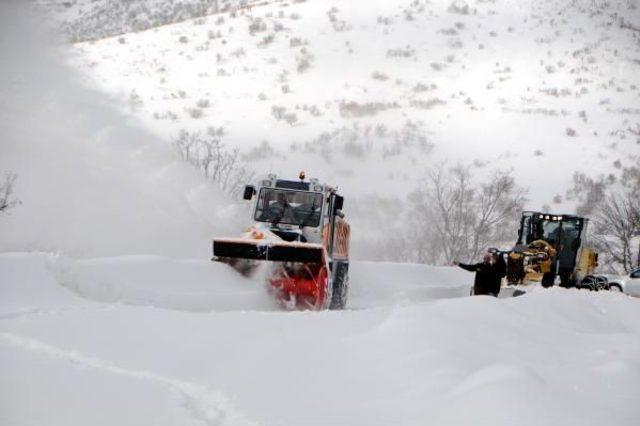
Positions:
(300, 228)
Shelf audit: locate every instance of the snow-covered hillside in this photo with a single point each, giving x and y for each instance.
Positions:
(370, 95)
(112, 314)
(82, 20)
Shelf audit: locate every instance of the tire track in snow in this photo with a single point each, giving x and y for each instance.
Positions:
(49, 311)
(204, 404)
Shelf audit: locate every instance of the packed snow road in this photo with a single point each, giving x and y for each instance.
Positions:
(153, 341)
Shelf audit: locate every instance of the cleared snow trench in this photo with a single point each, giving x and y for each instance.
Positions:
(201, 285)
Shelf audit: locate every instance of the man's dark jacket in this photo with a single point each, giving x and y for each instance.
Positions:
(488, 276)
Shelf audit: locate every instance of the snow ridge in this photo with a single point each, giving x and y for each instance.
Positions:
(205, 404)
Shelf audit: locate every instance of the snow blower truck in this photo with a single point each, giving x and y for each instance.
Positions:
(551, 246)
(300, 229)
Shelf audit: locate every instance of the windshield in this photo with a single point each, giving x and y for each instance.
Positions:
(560, 233)
(289, 207)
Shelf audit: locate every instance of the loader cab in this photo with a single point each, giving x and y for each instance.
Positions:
(563, 232)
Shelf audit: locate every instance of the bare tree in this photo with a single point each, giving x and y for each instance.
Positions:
(455, 218)
(7, 200)
(589, 193)
(616, 224)
(219, 164)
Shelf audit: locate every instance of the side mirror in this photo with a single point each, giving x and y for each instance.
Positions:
(339, 201)
(249, 190)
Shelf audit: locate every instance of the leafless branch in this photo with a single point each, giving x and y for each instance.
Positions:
(7, 200)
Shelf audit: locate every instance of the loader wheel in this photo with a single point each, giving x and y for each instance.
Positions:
(340, 286)
(547, 279)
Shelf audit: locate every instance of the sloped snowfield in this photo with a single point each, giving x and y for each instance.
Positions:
(373, 94)
(150, 340)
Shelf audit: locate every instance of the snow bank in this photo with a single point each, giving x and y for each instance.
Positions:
(554, 357)
(193, 285)
(199, 285)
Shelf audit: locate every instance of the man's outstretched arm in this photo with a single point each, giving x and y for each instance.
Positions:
(471, 268)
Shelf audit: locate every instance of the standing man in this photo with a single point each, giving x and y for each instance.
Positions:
(489, 274)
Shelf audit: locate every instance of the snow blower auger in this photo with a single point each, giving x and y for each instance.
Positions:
(299, 228)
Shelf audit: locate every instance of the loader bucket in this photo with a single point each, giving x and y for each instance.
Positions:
(270, 251)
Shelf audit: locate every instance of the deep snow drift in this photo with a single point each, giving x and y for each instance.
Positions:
(557, 357)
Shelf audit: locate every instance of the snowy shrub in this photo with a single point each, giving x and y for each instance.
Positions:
(588, 192)
(278, 112)
(238, 53)
(7, 199)
(315, 111)
(267, 40)
(428, 104)
(295, 42)
(406, 52)
(455, 43)
(354, 109)
(379, 76)
(257, 25)
(194, 113)
(170, 115)
(421, 87)
(203, 103)
(460, 7)
(290, 118)
(216, 131)
(135, 101)
(303, 62)
(263, 151)
(353, 149)
(449, 31)
(219, 164)
(203, 47)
